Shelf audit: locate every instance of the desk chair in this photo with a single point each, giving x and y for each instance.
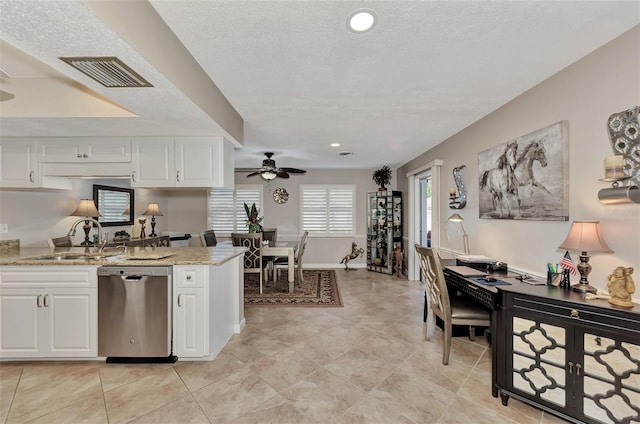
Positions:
(208, 238)
(253, 256)
(64, 241)
(280, 263)
(457, 310)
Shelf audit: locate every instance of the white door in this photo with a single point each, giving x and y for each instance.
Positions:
(72, 322)
(189, 329)
(20, 322)
(152, 162)
(18, 164)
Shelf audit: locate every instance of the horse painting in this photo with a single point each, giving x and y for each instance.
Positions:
(533, 152)
(501, 181)
(526, 178)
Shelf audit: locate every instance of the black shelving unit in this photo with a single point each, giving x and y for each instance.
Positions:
(384, 229)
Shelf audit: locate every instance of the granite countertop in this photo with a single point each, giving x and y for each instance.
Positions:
(149, 256)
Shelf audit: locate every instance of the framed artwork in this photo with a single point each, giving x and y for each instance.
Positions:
(527, 178)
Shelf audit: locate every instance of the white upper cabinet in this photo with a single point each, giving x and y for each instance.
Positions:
(188, 162)
(18, 163)
(94, 149)
(152, 163)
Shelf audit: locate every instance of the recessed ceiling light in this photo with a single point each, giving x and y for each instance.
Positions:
(335, 144)
(361, 20)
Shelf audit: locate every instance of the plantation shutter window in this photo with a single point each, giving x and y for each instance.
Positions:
(226, 212)
(327, 210)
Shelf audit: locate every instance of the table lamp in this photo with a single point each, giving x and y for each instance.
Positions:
(154, 210)
(585, 236)
(86, 208)
(465, 238)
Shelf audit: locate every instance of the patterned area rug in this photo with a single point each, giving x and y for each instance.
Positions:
(319, 289)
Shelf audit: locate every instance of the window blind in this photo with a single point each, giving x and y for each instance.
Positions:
(328, 209)
(226, 208)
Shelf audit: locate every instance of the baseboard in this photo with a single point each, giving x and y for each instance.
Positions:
(332, 266)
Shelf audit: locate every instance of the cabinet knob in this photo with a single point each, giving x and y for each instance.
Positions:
(188, 277)
(178, 176)
(180, 300)
(133, 176)
(575, 314)
(46, 301)
(79, 155)
(38, 303)
(85, 155)
(31, 176)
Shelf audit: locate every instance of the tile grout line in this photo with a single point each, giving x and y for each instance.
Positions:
(13, 396)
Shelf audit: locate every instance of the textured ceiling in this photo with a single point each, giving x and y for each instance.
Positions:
(301, 80)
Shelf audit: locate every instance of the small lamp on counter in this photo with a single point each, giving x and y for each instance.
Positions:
(465, 238)
(154, 210)
(86, 208)
(585, 236)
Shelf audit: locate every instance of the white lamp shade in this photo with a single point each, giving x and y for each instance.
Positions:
(153, 209)
(269, 175)
(585, 236)
(86, 207)
(456, 218)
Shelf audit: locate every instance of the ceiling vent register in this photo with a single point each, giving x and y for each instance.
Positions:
(108, 71)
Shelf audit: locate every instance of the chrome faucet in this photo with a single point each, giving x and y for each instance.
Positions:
(72, 231)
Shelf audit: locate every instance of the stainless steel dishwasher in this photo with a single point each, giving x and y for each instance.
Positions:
(134, 314)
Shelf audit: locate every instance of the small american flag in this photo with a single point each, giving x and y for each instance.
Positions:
(567, 263)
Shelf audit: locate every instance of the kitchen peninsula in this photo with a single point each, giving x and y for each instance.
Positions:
(49, 299)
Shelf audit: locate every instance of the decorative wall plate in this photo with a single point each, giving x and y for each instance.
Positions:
(280, 195)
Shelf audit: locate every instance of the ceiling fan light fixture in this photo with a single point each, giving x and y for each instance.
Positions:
(361, 20)
(269, 175)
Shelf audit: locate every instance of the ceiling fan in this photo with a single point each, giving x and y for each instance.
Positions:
(270, 171)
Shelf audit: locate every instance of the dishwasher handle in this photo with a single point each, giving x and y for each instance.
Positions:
(134, 277)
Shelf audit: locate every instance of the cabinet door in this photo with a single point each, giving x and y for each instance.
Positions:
(72, 320)
(152, 163)
(20, 324)
(607, 376)
(538, 361)
(196, 163)
(189, 319)
(18, 164)
(107, 149)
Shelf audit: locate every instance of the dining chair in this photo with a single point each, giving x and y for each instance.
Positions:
(208, 238)
(456, 310)
(271, 235)
(64, 241)
(253, 256)
(282, 262)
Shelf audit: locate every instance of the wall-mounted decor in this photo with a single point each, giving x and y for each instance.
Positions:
(280, 196)
(458, 201)
(527, 178)
(624, 131)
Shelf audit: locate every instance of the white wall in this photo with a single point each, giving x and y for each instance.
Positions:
(585, 94)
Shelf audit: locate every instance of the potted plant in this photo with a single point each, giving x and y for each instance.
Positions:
(382, 177)
(253, 218)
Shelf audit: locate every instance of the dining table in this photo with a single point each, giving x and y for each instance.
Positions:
(283, 249)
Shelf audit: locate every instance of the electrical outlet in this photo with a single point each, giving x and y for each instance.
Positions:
(4, 228)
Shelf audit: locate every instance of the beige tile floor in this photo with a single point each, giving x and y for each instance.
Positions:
(364, 363)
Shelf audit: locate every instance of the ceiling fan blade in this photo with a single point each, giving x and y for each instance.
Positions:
(282, 173)
(253, 174)
(294, 170)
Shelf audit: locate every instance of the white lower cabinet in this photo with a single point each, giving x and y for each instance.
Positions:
(190, 311)
(48, 312)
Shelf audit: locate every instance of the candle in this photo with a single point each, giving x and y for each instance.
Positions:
(614, 167)
(452, 192)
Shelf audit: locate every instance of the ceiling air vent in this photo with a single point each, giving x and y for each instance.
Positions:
(108, 71)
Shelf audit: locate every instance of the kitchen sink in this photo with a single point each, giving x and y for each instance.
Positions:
(69, 256)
